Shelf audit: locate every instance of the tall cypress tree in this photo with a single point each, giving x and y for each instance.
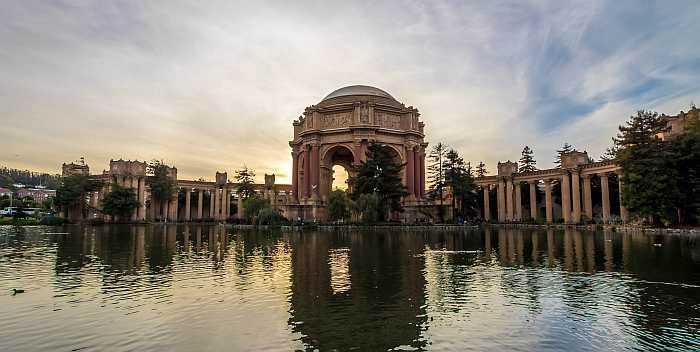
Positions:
(564, 149)
(380, 174)
(481, 169)
(245, 179)
(527, 161)
(436, 176)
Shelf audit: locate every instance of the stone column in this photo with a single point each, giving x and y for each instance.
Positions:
(509, 200)
(188, 198)
(566, 198)
(421, 158)
(217, 205)
(212, 196)
(605, 196)
(133, 183)
(576, 190)
(93, 204)
(548, 201)
(316, 168)
(587, 199)
(175, 208)
(307, 173)
(200, 203)
(295, 177)
(624, 214)
(518, 203)
(416, 173)
(410, 172)
(93, 199)
(227, 204)
(487, 209)
(239, 211)
(172, 208)
(142, 199)
(501, 200)
(532, 185)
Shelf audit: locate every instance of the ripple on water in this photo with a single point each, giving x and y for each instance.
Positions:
(203, 288)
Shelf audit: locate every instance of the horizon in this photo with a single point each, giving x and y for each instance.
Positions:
(181, 83)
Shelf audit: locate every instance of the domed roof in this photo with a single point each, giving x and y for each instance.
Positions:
(358, 90)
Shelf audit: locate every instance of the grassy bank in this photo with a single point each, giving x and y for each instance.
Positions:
(30, 221)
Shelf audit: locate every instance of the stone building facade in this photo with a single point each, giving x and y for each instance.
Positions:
(338, 130)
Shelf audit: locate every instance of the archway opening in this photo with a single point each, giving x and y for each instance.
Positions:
(336, 169)
(340, 178)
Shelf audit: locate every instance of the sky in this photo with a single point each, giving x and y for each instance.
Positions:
(209, 86)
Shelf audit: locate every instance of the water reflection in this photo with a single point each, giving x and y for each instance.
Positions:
(381, 303)
(210, 287)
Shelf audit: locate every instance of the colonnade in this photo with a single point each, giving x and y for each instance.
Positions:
(415, 172)
(219, 204)
(577, 203)
(137, 183)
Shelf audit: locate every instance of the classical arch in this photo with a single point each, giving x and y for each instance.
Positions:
(338, 154)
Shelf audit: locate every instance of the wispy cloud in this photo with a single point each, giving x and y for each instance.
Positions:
(214, 86)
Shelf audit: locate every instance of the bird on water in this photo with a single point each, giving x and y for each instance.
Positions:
(16, 291)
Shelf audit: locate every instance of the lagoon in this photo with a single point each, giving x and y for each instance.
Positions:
(214, 288)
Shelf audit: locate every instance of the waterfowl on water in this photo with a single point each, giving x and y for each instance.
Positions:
(17, 290)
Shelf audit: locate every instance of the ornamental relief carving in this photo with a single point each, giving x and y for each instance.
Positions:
(342, 119)
(364, 113)
(387, 120)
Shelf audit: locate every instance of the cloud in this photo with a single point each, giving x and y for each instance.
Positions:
(212, 87)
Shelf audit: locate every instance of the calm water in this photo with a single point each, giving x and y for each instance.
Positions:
(205, 288)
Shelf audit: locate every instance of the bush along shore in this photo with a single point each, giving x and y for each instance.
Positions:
(31, 221)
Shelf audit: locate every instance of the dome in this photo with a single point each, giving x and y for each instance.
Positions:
(358, 90)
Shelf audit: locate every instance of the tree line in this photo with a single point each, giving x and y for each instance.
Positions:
(9, 177)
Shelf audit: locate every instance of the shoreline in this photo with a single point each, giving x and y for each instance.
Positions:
(410, 227)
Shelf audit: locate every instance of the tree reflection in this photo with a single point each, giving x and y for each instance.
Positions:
(383, 307)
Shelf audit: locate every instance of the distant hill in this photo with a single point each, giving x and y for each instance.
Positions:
(9, 176)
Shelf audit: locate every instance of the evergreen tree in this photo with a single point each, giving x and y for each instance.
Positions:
(481, 169)
(610, 152)
(564, 149)
(436, 176)
(120, 202)
(527, 162)
(649, 176)
(459, 179)
(245, 180)
(380, 174)
(686, 150)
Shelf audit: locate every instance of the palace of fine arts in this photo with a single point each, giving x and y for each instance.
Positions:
(349, 176)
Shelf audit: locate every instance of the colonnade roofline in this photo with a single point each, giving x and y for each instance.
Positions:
(550, 174)
(205, 185)
(574, 176)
